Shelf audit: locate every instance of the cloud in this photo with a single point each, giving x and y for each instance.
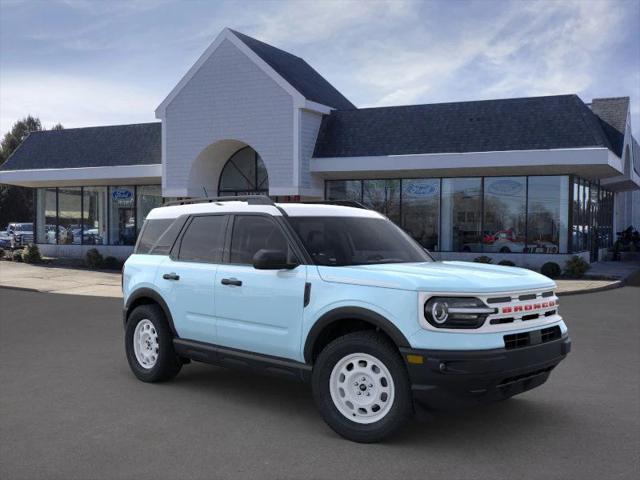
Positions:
(527, 49)
(72, 100)
(296, 22)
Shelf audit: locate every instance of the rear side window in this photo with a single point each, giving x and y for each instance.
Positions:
(204, 239)
(252, 233)
(151, 233)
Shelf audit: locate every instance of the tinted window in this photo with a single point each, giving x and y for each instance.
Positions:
(151, 233)
(204, 239)
(253, 233)
(340, 241)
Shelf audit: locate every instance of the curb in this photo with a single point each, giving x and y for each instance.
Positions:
(613, 286)
(23, 289)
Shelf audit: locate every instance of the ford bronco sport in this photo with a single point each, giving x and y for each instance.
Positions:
(338, 296)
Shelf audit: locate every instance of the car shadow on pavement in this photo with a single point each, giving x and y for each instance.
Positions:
(279, 397)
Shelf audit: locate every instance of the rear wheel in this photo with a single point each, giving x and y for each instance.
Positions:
(149, 345)
(361, 387)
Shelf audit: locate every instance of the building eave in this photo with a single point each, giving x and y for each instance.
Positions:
(592, 163)
(84, 176)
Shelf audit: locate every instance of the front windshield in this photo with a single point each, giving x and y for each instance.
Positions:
(343, 241)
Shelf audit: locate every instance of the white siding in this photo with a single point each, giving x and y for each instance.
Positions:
(309, 126)
(229, 97)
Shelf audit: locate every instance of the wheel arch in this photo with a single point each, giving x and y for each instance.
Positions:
(146, 296)
(358, 317)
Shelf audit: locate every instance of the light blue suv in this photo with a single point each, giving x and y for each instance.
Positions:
(337, 296)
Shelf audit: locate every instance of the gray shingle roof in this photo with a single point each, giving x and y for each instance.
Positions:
(613, 115)
(298, 73)
(562, 121)
(137, 144)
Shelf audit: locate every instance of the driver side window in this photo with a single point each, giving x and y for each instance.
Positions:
(252, 233)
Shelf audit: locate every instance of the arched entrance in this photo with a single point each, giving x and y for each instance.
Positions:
(244, 174)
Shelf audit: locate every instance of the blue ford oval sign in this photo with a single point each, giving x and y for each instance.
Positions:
(421, 190)
(122, 194)
(506, 187)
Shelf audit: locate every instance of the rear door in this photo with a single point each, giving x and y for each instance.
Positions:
(187, 277)
(259, 310)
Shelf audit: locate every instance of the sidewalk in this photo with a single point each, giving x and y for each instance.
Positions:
(78, 281)
(72, 281)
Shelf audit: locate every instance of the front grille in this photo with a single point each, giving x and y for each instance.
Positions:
(520, 340)
(528, 296)
(499, 300)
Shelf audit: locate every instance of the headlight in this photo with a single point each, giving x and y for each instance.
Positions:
(456, 312)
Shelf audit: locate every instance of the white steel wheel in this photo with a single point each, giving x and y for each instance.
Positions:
(362, 388)
(145, 344)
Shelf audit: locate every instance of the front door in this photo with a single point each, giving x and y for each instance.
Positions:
(188, 278)
(259, 310)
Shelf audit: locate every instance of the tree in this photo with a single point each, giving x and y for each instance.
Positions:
(16, 203)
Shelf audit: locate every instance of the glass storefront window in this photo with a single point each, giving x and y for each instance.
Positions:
(461, 215)
(421, 210)
(505, 215)
(46, 215)
(70, 216)
(122, 224)
(344, 190)
(149, 197)
(94, 216)
(547, 215)
(382, 196)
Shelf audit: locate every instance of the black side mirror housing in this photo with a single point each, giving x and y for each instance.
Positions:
(272, 260)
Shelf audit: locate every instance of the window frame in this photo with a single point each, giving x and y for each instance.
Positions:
(301, 255)
(174, 253)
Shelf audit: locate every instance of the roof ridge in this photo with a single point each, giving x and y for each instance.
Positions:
(97, 126)
(592, 122)
(465, 102)
(235, 32)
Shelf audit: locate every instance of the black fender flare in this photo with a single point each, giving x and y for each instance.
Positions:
(157, 298)
(352, 313)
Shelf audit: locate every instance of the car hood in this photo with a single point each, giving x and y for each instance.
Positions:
(459, 277)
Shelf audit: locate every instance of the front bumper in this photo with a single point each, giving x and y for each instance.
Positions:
(457, 378)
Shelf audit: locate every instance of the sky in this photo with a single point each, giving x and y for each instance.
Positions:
(103, 62)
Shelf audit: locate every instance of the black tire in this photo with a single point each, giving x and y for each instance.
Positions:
(505, 250)
(168, 364)
(371, 343)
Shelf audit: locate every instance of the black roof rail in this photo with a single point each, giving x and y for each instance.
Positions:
(342, 203)
(250, 199)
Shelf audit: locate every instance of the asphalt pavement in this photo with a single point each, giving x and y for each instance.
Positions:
(71, 409)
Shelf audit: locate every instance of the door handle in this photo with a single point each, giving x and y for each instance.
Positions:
(231, 281)
(171, 276)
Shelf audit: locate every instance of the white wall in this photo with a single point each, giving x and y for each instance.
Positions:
(229, 97)
(309, 127)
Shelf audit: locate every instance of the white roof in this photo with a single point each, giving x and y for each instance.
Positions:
(292, 209)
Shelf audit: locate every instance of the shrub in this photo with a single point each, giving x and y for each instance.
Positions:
(506, 263)
(17, 256)
(576, 267)
(551, 270)
(93, 258)
(482, 259)
(111, 263)
(31, 254)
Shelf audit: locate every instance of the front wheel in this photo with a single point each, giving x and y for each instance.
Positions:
(149, 345)
(361, 387)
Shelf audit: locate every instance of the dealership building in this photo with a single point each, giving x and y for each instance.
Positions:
(526, 179)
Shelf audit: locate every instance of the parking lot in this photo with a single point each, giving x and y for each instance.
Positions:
(70, 408)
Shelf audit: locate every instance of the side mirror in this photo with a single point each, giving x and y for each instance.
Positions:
(272, 260)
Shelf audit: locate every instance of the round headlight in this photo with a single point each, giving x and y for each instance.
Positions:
(456, 312)
(439, 311)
